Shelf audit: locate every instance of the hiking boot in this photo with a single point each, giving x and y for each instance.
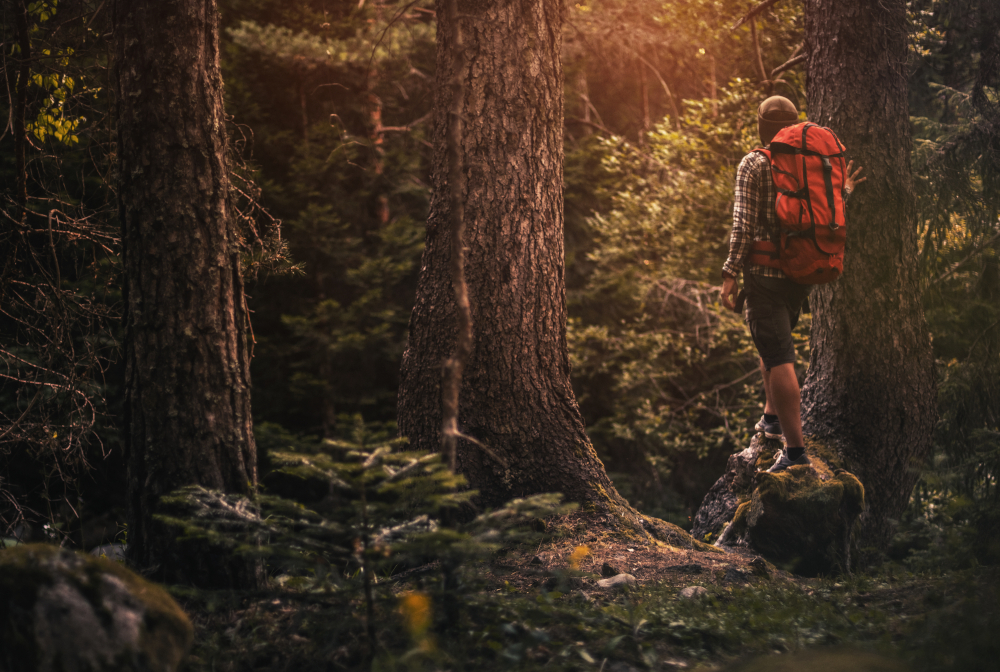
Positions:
(783, 462)
(771, 430)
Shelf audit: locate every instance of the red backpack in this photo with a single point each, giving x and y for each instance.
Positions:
(808, 169)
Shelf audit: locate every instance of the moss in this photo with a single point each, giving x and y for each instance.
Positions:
(854, 493)
(739, 524)
(797, 519)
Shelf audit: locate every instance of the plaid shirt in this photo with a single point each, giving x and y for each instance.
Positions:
(754, 190)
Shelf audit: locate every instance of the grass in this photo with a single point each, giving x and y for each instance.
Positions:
(934, 623)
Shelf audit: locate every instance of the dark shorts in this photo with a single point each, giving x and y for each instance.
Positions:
(773, 307)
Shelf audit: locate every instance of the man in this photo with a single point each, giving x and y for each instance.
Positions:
(773, 302)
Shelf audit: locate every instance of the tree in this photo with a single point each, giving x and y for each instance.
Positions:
(187, 392)
(870, 389)
(516, 396)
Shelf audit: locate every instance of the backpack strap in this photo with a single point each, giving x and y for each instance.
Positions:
(765, 252)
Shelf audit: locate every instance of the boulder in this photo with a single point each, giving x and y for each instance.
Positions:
(800, 518)
(71, 612)
(721, 501)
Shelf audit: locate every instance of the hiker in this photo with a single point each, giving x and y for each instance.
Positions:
(773, 301)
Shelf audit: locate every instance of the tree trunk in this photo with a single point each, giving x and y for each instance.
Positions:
(870, 389)
(187, 391)
(516, 396)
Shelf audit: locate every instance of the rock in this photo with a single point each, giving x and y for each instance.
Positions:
(822, 660)
(109, 551)
(795, 519)
(759, 567)
(693, 593)
(719, 504)
(734, 575)
(692, 568)
(69, 611)
(609, 570)
(621, 581)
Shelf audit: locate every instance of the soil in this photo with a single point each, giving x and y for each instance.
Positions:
(590, 542)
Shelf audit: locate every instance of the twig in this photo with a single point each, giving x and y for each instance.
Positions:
(964, 261)
(666, 89)
(584, 122)
(794, 60)
(760, 58)
(753, 12)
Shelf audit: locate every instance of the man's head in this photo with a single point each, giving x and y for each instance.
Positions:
(773, 115)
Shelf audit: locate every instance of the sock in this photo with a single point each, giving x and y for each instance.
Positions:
(795, 453)
(768, 417)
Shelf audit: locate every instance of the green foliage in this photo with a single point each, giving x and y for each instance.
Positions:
(337, 97)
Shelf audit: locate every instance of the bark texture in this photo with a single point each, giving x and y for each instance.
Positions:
(516, 396)
(187, 394)
(870, 389)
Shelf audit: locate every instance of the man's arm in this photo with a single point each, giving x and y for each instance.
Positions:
(746, 209)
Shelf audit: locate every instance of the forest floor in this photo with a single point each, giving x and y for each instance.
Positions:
(541, 607)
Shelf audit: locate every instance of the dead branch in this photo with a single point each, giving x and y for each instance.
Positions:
(788, 65)
(764, 6)
(666, 89)
(760, 59)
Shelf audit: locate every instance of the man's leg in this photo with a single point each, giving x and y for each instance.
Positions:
(782, 389)
(768, 404)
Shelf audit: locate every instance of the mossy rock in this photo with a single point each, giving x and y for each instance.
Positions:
(798, 520)
(65, 611)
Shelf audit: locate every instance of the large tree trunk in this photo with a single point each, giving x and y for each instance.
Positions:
(187, 391)
(516, 396)
(870, 389)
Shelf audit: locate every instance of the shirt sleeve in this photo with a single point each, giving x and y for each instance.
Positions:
(746, 209)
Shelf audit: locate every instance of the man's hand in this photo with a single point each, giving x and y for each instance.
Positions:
(852, 180)
(729, 291)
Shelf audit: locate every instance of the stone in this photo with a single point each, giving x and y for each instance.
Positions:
(760, 567)
(734, 575)
(621, 581)
(71, 612)
(608, 570)
(692, 593)
(110, 551)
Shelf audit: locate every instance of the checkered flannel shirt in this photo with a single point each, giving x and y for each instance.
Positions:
(754, 190)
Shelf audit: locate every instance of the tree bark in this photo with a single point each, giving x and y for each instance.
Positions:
(187, 392)
(516, 398)
(870, 389)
